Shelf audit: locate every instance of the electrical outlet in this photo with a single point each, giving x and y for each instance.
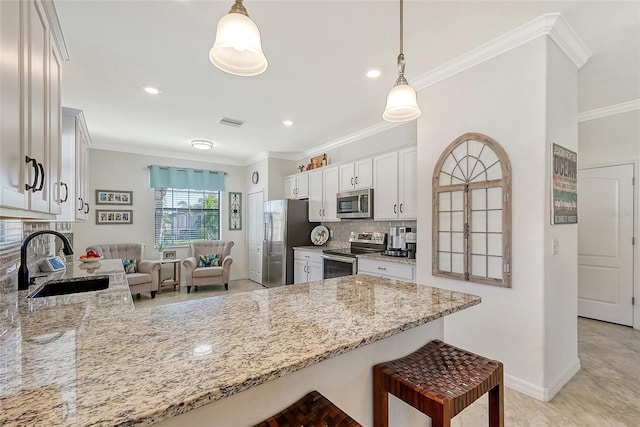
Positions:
(331, 233)
(554, 247)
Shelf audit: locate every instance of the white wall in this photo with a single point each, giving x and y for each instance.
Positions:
(561, 270)
(506, 99)
(110, 170)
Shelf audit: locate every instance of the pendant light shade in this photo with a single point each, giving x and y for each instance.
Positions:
(238, 48)
(402, 103)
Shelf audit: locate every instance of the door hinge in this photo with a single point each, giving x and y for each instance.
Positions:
(506, 197)
(507, 267)
(633, 240)
(633, 300)
(633, 181)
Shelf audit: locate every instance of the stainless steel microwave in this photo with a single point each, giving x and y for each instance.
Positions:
(355, 204)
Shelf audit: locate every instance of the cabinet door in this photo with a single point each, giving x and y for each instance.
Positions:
(299, 271)
(290, 187)
(385, 196)
(315, 196)
(37, 108)
(82, 185)
(56, 190)
(12, 161)
(347, 177)
(302, 185)
(315, 271)
(330, 189)
(364, 173)
(408, 183)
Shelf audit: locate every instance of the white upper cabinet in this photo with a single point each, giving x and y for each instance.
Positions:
(30, 76)
(13, 193)
(358, 174)
(323, 186)
(395, 175)
(296, 186)
(75, 156)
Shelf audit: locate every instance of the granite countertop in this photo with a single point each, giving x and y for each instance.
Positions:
(387, 258)
(111, 365)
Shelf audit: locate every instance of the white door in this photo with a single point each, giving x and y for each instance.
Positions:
(255, 232)
(605, 248)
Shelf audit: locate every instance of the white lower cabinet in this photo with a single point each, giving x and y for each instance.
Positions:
(387, 269)
(307, 266)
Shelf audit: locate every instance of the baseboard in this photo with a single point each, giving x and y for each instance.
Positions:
(544, 394)
(239, 277)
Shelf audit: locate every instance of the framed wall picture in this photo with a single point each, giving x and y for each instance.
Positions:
(168, 255)
(235, 211)
(114, 217)
(114, 197)
(564, 186)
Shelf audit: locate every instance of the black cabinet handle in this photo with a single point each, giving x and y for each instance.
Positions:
(41, 178)
(86, 208)
(394, 209)
(351, 180)
(81, 204)
(34, 164)
(66, 192)
(401, 207)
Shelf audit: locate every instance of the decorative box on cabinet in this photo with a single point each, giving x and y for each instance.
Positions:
(30, 75)
(358, 174)
(296, 186)
(75, 158)
(307, 266)
(395, 184)
(323, 186)
(387, 269)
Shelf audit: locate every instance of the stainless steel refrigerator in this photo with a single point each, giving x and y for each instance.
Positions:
(286, 224)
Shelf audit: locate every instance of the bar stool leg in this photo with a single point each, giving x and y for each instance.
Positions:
(380, 400)
(496, 406)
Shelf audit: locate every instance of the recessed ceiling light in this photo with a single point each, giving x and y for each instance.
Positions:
(373, 73)
(201, 144)
(287, 122)
(152, 90)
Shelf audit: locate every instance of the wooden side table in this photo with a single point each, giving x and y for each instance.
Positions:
(175, 279)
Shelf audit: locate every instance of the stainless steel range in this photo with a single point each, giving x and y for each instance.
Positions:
(344, 262)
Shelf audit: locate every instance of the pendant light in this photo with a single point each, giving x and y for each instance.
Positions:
(238, 49)
(402, 104)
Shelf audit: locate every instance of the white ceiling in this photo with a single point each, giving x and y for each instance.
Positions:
(318, 52)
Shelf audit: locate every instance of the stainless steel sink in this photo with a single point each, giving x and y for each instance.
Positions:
(71, 286)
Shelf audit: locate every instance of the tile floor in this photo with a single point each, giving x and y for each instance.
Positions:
(605, 393)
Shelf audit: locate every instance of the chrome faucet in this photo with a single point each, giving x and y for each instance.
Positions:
(23, 273)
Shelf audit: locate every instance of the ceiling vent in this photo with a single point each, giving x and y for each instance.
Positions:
(230, 122)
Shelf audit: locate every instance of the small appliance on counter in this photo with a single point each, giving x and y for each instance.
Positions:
(411, 240)
(397, 242)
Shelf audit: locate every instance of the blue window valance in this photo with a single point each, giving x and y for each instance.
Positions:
(194, 179)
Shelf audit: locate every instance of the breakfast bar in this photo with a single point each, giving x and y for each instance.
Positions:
(93, 359)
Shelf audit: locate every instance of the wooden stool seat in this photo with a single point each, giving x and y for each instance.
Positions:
(439, 380)
(313, 410)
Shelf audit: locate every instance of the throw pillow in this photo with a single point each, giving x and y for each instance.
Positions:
(214, 260)
(129, 266)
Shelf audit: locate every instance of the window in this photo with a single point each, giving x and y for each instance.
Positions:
(472, 212)
(182, 216)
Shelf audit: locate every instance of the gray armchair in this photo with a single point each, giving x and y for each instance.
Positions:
(197, 275)
(146, 277)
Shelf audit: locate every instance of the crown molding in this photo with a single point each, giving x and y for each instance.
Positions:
(611, 110)
(352, 137)
(553, 25)
(56, 29)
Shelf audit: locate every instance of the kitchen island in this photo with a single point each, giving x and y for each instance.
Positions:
(221, 361)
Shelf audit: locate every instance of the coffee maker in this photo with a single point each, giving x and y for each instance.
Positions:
(411, 239)
(397, 245)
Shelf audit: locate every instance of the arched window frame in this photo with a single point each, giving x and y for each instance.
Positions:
(467, 187)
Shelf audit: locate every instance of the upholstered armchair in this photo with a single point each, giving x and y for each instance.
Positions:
(209, 264)
(142, 275)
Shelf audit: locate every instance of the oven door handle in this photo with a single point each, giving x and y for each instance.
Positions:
(349, 260)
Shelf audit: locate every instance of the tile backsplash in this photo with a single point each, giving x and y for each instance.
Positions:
(342, 229)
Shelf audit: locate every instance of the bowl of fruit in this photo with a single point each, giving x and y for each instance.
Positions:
(90, 256)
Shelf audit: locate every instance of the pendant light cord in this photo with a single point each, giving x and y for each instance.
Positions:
(401, 25)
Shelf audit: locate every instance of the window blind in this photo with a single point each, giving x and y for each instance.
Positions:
(185, 178)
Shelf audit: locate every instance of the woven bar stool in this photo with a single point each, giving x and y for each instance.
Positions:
(439, 380)
(313, 410)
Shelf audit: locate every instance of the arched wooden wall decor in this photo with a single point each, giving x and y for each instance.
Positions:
(472, 212)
